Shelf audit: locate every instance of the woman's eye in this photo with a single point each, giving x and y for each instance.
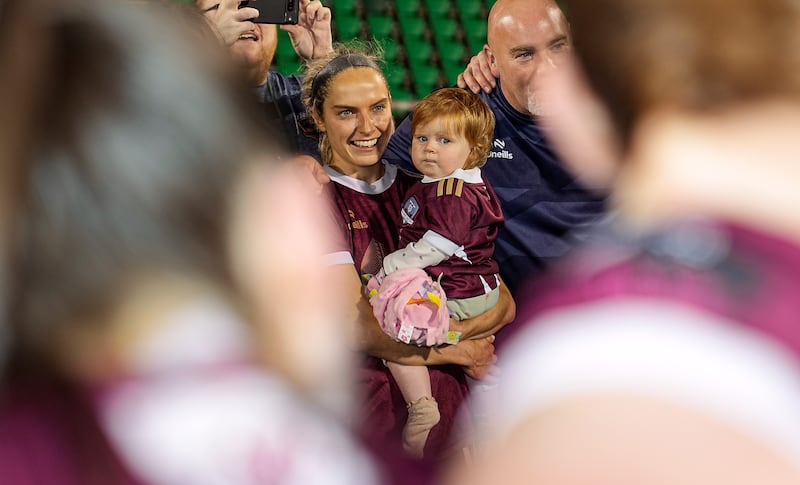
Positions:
(345, 113)
(379, 108)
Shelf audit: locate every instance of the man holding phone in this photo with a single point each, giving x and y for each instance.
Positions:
(253, 46)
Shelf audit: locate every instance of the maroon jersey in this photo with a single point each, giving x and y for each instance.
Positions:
(465, 211)
(369, 216)
(734, 272)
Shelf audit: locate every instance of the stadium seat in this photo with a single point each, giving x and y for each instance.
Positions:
(348, 26)
(381, 26)
(453, 51)
(391, 50)
(426, 78)
(469, 9)
(419, 51)
(475, 30)
(413, 27)
(437, 8)
(397, 77)
(407, 8)
(346, 7)
(445, 30)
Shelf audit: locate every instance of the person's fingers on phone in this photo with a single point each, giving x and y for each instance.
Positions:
(228, 5)
(314, 11)
(244, 14)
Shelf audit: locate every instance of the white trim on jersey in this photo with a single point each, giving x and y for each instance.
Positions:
(338, 257)
(380, 186)
(660, 350)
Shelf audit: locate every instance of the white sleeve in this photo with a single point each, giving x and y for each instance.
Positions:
(420, 254)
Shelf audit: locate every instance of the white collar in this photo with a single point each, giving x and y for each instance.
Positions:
(378, 187)
(471, 176)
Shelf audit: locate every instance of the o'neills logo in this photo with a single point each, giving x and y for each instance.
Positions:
(501, 150)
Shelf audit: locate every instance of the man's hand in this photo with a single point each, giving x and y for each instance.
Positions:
(478, 74)
(311, 37)
(480, 356)
(227, 19)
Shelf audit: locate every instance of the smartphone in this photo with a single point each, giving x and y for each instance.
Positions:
(274, 11)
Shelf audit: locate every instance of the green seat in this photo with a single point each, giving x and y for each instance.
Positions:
(468, 9)
(397, 77)
(407, 8)
(419, 51)
(437, 8)
(475, 30)
(453, 52)
(413, 27)
(343, 7)
(451, 71)
(391, 50)
(348, 27)
(445, 30)
(381, 26)
(426, 78)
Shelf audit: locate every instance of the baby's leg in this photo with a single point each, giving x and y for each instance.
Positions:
(423, 411)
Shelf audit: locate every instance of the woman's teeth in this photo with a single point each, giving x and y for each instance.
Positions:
(365, 143)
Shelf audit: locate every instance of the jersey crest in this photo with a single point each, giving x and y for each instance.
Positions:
(409, 210)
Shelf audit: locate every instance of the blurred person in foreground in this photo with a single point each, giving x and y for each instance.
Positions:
(152, 293)
(668, 351)
(253, 46)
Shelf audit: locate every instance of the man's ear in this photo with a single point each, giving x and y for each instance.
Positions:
(492, 62)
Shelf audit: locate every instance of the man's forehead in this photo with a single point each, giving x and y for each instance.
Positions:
(521, 25)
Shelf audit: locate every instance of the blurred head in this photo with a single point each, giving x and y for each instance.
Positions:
(528, 40)
(254, 51)
(695, 57)
(348, 99)
(141, 171)
(451, 128)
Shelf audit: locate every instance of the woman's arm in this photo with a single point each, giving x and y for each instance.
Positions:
(491, 321)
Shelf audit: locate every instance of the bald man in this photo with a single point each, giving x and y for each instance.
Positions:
(546, 211)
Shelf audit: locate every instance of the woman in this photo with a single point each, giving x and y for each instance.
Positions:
(348, 98)
(147, 274)
(669, 351)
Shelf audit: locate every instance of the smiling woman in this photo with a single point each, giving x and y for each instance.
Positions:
(350, 106)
